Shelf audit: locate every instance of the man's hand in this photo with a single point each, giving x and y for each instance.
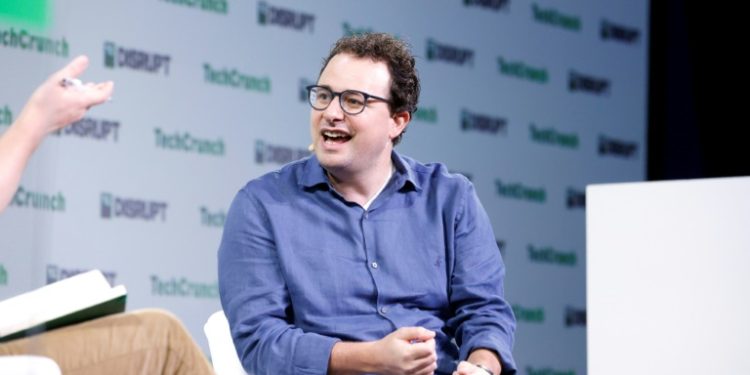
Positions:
(485, 357)
(53, 106)
(408, 350)
(466, 368)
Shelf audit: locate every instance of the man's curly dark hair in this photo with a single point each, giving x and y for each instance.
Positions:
(395, 53)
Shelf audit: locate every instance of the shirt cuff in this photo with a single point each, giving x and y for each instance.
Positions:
(312, 353)
(506, 357)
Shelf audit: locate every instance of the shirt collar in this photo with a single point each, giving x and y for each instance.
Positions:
(313, 175)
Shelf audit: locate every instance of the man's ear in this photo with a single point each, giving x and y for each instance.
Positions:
(400, 122)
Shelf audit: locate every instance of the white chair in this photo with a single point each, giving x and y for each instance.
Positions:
(28, 365)
(223, 354)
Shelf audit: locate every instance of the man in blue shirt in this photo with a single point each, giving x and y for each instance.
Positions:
(358, 259)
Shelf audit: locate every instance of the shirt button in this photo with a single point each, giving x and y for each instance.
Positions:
(374, 264)
(383, 310)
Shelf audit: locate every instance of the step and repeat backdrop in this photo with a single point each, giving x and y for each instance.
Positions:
(531, 100)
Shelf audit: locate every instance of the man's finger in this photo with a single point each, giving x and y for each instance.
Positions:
(100, 93)
(75, 67)
(415, 334)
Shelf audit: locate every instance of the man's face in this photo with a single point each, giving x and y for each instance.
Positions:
(351, 144)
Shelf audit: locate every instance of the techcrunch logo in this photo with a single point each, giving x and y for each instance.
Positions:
(520, 69)
(6, 116)
(286, 18)
(550, 136)
(40, 44)
(619, 33)
(482, 123)
(575, 199)
(349, 30)
(119, 57)
(56, 273)
(520, 191)
(3, 275)
(217, 6)
(495, 5)
(551, 255)
(87, 127)
(547, 371)
(38, 200)
(575, 317)
(589, 84)
(528, 315)
(130, 208)
(616, 147)
(212, 219)
(428, 115)
(454, 55)
(303, 83)
(554, 17)
(235, 79)
(182, 287)
(184, 141)
(276, 154)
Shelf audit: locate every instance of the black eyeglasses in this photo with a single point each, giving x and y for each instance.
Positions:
(353, 102)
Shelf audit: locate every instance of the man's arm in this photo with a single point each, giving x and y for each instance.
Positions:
(483, 320)
(49, 108)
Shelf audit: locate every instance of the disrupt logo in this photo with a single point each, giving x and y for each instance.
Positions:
(130, 208)
(349, 30)
(575, 317)
(235, 79)
(495, 5)
(575, 199)
(212, 219)
(556, 18)
(275, 154)
(88, 127)
(286, 18)
(520, 69)
(56, 273)
(3, 275)
(184, 141)
(454, 55)
(40, 44)
(616, 147)
(6, 116)
(182, 287)
(528, 315)
(217, 6)
(428, 115)
(483, 123)
(517, 190)
(303, 83)
(619, 33)
(589, 84)
(38, 200)
(551, 255)
(550, 136)
(119, 57)
(547, 371)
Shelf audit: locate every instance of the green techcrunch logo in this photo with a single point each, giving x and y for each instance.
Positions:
(183, 287)
(528, 315)
(552, 256)
(429, 115)
(520, 191)
(235, 79)
(38, 200)
(212, 219)
(6, 116)
(216, 6)
(520, 69)
(23, 40)
(349, 30)
(184, 141)
(547, 371)
(550, 136)
(556, 18)
(3, 275)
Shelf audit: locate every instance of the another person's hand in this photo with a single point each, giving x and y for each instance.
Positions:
(408, 350)
(466, 368)
(53, 106)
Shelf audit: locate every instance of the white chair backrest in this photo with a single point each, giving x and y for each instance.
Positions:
(220, 344)
(28, 365)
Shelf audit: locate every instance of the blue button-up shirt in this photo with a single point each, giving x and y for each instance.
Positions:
(301, 268)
